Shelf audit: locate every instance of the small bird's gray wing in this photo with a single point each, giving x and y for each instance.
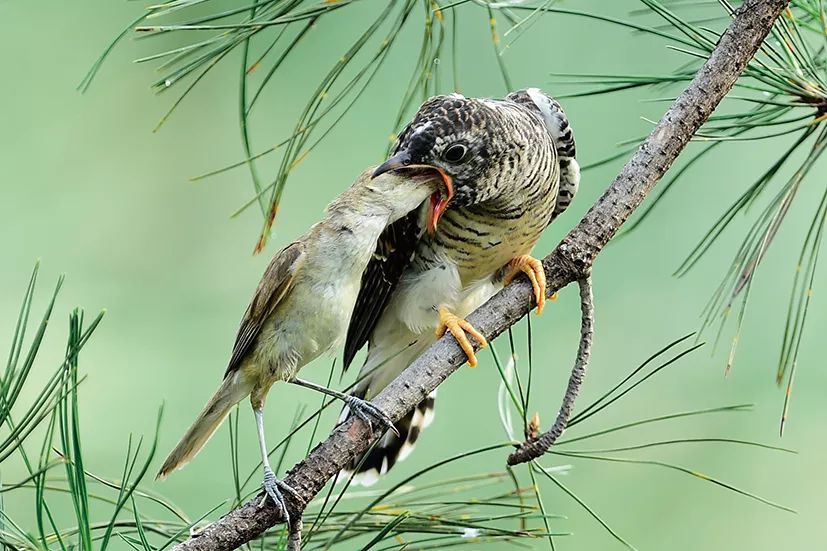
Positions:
(394, 251)
(277, 280)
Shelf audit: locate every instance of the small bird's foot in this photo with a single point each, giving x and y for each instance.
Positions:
(364, 410)
(273, 488)
(533, 268)
(458, 328)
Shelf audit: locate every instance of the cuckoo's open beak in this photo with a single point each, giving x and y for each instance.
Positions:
(398, 161)
(439, 199)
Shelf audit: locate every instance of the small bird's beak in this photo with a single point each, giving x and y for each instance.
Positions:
(439, 199)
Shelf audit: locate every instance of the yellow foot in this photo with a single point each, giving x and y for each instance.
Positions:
(533, 268)
(458, 328)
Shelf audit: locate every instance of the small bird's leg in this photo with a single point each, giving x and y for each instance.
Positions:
(533, 268)
(363, 409)
(272, 485)
(449, 321)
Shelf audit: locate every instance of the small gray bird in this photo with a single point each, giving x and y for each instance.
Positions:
(302, 305)
(513, 169)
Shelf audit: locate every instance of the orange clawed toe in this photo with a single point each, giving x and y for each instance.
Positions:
(533, 268)
(458, 328)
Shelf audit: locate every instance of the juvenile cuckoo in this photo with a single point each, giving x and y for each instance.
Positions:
(512, 166)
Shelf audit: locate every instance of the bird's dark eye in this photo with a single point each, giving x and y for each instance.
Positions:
(455, 153)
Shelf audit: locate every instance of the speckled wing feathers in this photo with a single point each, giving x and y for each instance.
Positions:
(274, 285)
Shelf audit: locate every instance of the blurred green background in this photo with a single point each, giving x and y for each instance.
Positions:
(89, 188)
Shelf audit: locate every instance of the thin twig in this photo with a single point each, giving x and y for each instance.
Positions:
(294, 538)
(570, 261)
(532, 449)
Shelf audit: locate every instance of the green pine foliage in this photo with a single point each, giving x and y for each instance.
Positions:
(426, 510)
(781, 96)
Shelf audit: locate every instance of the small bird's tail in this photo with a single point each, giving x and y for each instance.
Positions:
(231, 391)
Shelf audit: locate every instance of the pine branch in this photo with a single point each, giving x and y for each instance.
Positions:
(570, 261)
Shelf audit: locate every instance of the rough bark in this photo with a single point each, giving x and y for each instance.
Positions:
(570, 261)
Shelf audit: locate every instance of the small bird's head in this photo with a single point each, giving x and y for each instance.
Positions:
(464, 139)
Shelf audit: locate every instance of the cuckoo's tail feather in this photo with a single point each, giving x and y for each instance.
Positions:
(391, 449)
(231, 391)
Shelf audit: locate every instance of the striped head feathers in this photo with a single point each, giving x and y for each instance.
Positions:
(486, 147)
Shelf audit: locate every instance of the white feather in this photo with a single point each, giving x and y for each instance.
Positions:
(552, 117)
(428, 418)
(441, 284)
(422, 128)
(366, 478)
(405, 451)
(408, 446)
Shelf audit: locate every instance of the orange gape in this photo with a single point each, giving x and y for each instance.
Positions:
(439, 202)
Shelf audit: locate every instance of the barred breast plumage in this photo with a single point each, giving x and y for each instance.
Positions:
(480, 238)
